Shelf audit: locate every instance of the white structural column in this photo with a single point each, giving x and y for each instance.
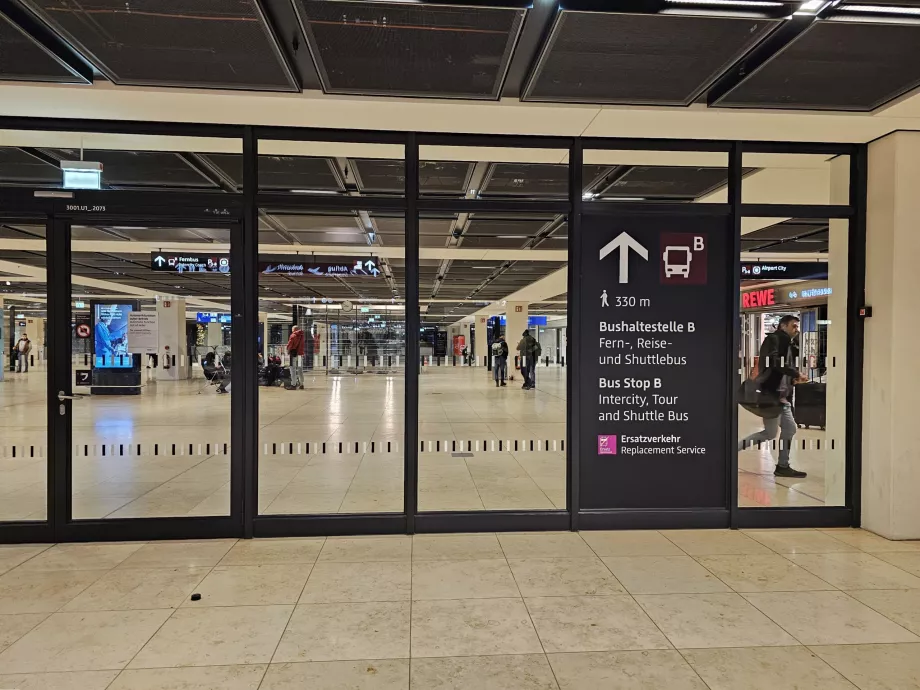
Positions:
(35, 327)
(215, 336)
(171, 334)
(515, 323)
(481, 346)
(263, 319)
(836, 406)
(891, 396)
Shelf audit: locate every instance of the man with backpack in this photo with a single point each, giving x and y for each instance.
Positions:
(530, 351)
(500, 361)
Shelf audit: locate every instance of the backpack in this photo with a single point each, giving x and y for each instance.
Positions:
(537, 349)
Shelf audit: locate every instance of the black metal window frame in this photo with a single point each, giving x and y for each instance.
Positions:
(174, 208)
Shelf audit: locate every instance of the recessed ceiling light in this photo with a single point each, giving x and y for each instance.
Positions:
(881, 9)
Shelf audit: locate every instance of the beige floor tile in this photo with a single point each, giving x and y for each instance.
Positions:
(80, 557)
(521, 672)
(344, 582)
(485, 579)
(179, 554)
(42, 592)
(79, 680)
(550, 577)
(762, 573)
(856, 571)
(712, 620)
(764, 668)
(872, 543)
(544, 545)
(14, 626)
(366, 549)
(900, 605)
(593, 624)
(86, 641)
(472, 627)
(435, 500)
(273, 552)
(664, 575)
(139, 588)
(714, 542)
(876, 666)
(217, 636)
(455, 547)
(646, 670)
(800, 541)
(817, 618)
(11, 556)
(386, 674)
(210, 678)
(630, 543)
(346, 632)
(251, 585)
(907, 561)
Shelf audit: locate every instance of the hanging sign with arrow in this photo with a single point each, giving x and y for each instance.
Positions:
(655, 351)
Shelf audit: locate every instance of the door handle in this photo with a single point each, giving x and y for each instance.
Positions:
(62, 396)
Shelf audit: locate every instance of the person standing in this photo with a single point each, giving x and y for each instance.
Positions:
(778, 376)
(295, 349)
(23, 348)
(529, 350)
(500, 361)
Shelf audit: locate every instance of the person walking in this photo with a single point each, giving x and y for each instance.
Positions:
(500, 361)
(295, 349)
(530, 351)
(23, 348)
(777, 378)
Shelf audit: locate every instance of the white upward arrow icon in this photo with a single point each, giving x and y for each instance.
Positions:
(624, 243)
(159, 261)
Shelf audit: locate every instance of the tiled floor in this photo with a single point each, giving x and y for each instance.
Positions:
(456, 405)
(689, 610)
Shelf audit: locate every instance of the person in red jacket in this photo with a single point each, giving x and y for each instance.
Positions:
(295, 349)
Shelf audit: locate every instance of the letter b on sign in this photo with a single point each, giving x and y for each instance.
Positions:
(698, 244)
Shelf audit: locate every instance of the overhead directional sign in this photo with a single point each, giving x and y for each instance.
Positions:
(172, 262)
(321, 266)
(624, 243)
(784, 270)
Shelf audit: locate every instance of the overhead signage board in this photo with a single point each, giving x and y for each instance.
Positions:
(322, 267)
(795, 294)
(784, 270)
(213, 317)
(654, 348)
(172, 262)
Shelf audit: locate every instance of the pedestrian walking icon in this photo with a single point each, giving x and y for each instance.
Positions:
(604, 302)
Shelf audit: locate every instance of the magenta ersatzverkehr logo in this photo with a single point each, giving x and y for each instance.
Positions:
(606, 445)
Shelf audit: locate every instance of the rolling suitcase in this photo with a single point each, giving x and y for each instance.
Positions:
(811, 405)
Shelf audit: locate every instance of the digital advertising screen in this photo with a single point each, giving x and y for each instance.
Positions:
(110, 336)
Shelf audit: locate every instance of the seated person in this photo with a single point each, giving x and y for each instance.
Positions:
(214, 371)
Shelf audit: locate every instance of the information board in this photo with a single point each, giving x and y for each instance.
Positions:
(142, 332)
(654, 387)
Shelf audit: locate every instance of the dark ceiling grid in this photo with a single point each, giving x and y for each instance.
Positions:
(190, 43)
(409, 49)
(835, 64)
(29, 52)
(790, 236)
(636, 59)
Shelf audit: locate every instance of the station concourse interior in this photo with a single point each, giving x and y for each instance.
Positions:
(321, 365)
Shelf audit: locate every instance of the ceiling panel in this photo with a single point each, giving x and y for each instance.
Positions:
(665, 182)
(24, 59)
(595, 57)
(533, 179)
(388, 176)
(206, 43)
(18, 167)
(836, 65)
(139, 168)
(282, 173)
(394, 48)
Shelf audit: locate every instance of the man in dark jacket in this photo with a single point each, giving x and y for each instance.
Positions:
(530, 351)
(779, 356)
(295, 349)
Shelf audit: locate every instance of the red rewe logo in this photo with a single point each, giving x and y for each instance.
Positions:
(758, 298)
